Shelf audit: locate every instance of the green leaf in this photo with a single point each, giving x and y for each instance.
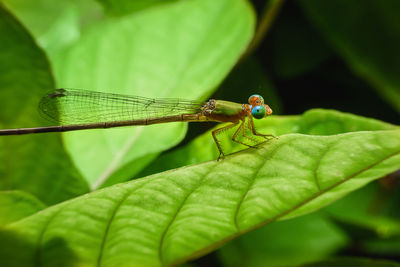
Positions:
(367, 36)
(122, 7)
(29, 163)
(15, 205)
(55, 25)
(182, 214)
(31, 14)
(315, 121)
(182, 50)
(273, 245)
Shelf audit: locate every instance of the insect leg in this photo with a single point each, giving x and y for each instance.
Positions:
(214, 135)
(253, 130)
(241, 127)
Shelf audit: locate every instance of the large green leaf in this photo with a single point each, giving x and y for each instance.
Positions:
(315, 121)
(55, 24)
(177, 215)
(15, 205)
(36, 164)
(366, 33)
(183, 50)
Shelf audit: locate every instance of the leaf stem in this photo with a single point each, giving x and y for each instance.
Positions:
(268, 16)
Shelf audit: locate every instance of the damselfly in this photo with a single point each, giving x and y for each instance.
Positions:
(77, 109)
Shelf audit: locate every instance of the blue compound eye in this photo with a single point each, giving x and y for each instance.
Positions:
(258, 112)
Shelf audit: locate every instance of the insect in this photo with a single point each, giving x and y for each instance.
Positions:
(77, 109)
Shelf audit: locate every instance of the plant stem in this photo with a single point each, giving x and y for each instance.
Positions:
(268, 16)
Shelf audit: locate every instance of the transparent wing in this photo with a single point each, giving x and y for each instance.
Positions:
(75, 106)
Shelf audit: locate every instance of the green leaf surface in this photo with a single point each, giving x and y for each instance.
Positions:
(315, 121)
(31, 14)
(367, 36)
(35, 164)
(15, 205)
(122, 7)
(285, 243)
(168, 218)
(55, 24)
(182, 49)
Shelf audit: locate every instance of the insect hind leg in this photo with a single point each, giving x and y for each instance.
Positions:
(217, 142)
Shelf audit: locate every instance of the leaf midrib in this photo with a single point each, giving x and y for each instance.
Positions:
(319, 160)
(37, 252)
(161, 244)
(251, 183)
(113, 214)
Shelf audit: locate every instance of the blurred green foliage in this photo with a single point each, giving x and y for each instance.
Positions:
(367, 35)
(312, 54)
(15, 205)
(25, 75)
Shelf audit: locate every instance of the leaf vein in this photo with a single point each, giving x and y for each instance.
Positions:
(175, 215)
(37, 252)
(250, 184)
(114, 212)
(316, 167)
